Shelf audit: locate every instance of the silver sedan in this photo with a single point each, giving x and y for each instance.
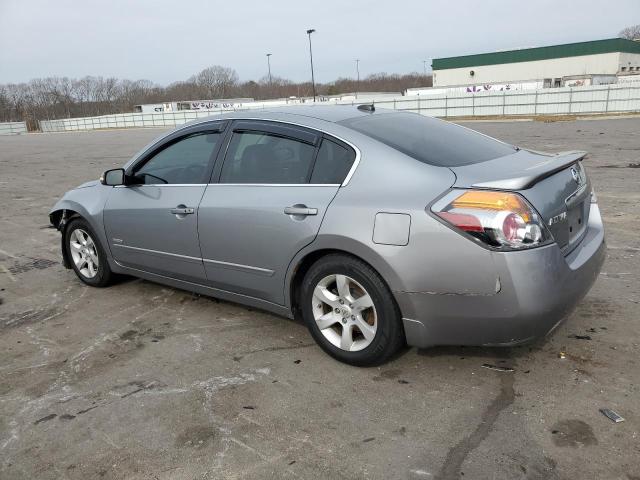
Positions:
(377, 228)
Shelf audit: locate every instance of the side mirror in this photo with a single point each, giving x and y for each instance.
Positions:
(113, 177)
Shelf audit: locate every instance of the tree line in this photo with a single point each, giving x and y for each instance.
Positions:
(63, 97)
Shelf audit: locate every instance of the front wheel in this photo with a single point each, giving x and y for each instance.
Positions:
(87, 256)
(350, 311)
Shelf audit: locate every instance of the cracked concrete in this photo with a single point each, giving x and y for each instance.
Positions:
(143, 381)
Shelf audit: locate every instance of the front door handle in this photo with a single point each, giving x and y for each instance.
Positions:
(301, 210)
(182, 210)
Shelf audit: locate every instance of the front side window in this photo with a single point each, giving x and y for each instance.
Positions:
(333, 163)
(184, 161)
(261, 157)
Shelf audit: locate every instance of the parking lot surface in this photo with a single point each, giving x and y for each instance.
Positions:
(143, 381)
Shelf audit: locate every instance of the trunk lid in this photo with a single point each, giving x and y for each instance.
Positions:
(556, 185)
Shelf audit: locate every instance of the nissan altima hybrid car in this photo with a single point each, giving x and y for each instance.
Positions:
(378, 228)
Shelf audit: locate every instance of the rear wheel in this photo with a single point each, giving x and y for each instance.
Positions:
(87, 256)
(350, 311)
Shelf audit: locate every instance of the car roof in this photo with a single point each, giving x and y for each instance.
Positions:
(328, 113)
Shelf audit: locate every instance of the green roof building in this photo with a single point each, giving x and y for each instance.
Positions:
(552, 65)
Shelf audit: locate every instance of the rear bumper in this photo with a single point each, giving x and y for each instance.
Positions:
(538, 289)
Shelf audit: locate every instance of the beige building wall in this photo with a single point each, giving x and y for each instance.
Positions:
(630, 60)
(601, 64)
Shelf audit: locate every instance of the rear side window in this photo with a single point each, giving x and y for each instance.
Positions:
(261, 157)
(333, 163)
(430, 140)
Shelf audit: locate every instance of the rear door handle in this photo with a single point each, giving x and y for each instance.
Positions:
(182, 211)
(300, 210)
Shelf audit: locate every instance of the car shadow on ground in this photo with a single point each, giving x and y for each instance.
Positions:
(502, 355)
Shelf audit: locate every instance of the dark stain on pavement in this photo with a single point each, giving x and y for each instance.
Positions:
(31, 264)
(80, 412)
(458, 454)
(51, 416)
(573, 433)
(129, 335)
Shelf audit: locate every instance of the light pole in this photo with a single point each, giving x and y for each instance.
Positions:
(313, 81)
(358, 73)
(424, 65)
(269, 67)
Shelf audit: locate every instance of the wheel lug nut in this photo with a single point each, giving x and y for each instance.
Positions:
(337, 310)
(344, 320)
(341, 302)
(353, 317)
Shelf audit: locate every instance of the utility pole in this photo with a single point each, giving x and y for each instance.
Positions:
(269, 67)
(313, 81)
(358, 76)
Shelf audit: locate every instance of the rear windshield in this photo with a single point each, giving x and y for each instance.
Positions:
(430, 140)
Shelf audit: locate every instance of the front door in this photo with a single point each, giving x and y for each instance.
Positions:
(274, 187)
(152, 223)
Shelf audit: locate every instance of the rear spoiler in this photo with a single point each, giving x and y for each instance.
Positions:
(519, 171)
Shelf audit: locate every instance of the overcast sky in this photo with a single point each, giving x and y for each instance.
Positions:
(169, 40)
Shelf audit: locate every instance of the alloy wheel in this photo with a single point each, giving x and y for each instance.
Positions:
(344, 312)
(84, 253)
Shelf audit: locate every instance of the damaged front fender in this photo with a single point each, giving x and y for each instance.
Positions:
(59, 219)
(87, 202)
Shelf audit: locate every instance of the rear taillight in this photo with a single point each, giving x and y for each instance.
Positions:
(500, 220)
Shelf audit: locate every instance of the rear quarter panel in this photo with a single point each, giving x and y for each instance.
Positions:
(436, 259)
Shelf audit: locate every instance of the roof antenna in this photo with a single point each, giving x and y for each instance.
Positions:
(367, 108)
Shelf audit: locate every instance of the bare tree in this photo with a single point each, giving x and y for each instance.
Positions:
(630, 33)
(187, 90)
(380, 82)
(216, 81)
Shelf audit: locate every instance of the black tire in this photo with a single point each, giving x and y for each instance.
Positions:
(104, 276)
(389, 336)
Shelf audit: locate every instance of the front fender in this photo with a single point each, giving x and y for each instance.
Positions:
(86, 202)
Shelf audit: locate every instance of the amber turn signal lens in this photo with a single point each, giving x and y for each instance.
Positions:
(492, 200)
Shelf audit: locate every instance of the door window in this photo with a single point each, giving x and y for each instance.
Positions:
(261, 157)
(333, 163)
(184, 161)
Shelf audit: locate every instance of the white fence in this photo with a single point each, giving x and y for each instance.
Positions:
(549, 101)
(125, 120)
(600, 99)
(11, 128)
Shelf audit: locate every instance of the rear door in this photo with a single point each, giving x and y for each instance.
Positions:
(272, 191)
(151, 223)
